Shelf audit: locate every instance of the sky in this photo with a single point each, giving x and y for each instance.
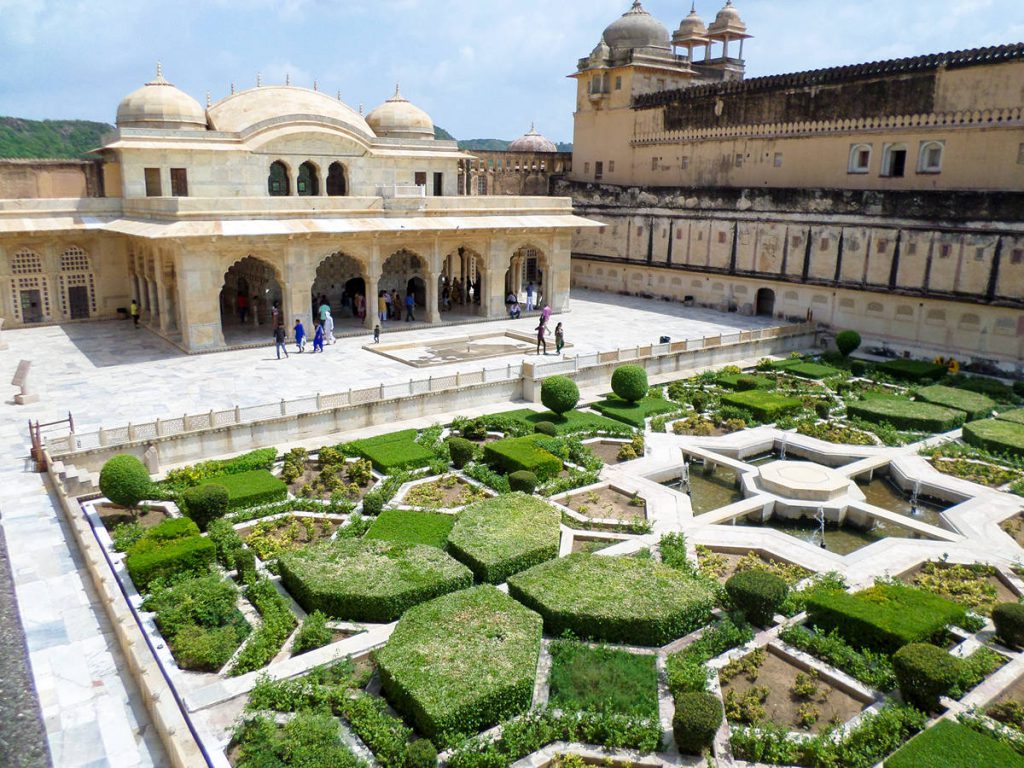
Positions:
(480, 68)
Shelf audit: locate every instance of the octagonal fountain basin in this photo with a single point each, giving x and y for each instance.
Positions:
(803, 480)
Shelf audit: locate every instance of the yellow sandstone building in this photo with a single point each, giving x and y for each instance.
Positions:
(275, 195)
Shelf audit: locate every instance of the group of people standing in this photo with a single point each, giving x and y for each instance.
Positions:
(323, 328)
(543, 330)
(389, 306)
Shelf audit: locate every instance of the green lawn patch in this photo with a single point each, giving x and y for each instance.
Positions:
(953, 745)
(393, 452)
(806, 369)
(369, 579)
(994, 388)
(975, 405)
(409, 527)
(766, 406)
(462, 663)
(731, 380)
(912, 370)
(571, 423)
(585, 679)
(906, 414)
(1016, 416)
(884, 617)
(996, 435)
(634, 414)
(514, 454)
(618, 599)
(251, 489)
(505, 535)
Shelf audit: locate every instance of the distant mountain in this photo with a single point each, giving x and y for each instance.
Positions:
(442, 135)
(49, 139)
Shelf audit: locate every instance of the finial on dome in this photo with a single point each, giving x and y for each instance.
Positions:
(209, 100)
(159, 70)
(398, 91)
(259, 79)
(693, 7)
(288, 79)
(360, 106)
(232, 88)
(316, 85)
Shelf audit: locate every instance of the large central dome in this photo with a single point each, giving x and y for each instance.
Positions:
(636, 29)
(245, 110)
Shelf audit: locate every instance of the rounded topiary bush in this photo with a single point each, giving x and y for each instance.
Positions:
(822, 409)
(546, 428)
(924, 673)
(630, 383)
(847, 342)
(124, 480)
(205, 503)
(421, 754)
(696, 721)
(699, 401)
(559, 394)
(461, 451)
(858, 367)
(746, 383)
(1009, 621)
(757, 594)
(373, 504)
(523, 480)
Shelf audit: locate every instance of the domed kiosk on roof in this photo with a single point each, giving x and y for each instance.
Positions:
(158, 104)
(532, 142)
(243, 111)
(728, 22)
(398, 118)
(636, 28)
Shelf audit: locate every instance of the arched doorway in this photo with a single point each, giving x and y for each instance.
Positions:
(278, 182)
(766, 302)
(337, 186)
(464, 277)
(526, 274)
(251, 289)
(308, 182)
(406, 273)
(340, 278)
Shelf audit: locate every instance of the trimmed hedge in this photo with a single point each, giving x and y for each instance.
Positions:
(996, 435)
(629, 382)
(504, 535)
(618, 599)
(757, 594)
(697, 718)
(393, 452)
(1009, 621)
(983, 385)
(461, 450)
(974, 405)
(250, 489)
(1016, 416)
(806, 369)
(634, 414)
(522, 453)
(766, 406)
(570, 422)
(546, 428)
(884, 617)
(733, 381)
(847, 342)
(408, 526)
(205, 503)
(173, 547)
(951, 744)
(124, 480)
(906, 414)
(912, 370)
(369, 579)
(462, 663)
(523, 481)
(559, 394)
(924, 673)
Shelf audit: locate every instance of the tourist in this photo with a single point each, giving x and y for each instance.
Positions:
(529, 296)
(329, 328)
(279, 339)
(325, 309)
(275, 316)
(541, 341)
(382, 306)
(476, 290)
(360, 304)
(243, 307)
(410, 304)
(318, 339)
(376, 334)
(559, 339)
(446, 298)
(300, 336)
(388, 309)
(546, 314)
(396, 305)
(133, 310)
(512, 303)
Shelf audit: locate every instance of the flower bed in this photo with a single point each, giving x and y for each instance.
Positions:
(983, 473)
(602, 680)
(906, 414)
(412, 527)
(996, 435)
(976, 586)
(634, 414)
(607, 504)
(393, 452)
(308, 739)
(446, 492)
(766, 406)
(976, 406)
(270, 538)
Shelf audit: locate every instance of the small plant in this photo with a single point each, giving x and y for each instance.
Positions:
(636, 500)
(697, 718)
(629, 382)
(747, 707)
(475, 430)
(627, 452)
(125, 480)
(805, 685)
(461, 451)
(847, 342)
(421, 754)
(125, 535)
(313, 633)
(924, 673)
(807, 715)
(545, 428)
(524, 481)
(749, 666)
(1009, 621)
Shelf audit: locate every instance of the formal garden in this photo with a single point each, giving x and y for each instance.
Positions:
(809, 562)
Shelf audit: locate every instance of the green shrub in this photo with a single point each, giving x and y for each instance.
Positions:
(912, 370)
(996, 435)
(393, 452)
(523, 481)
(313, 634)
(924, 673)
(461, 663)
(126, 534)
(369, 579)
(546, 428)
(559, 394)
(757, 594)
(523, 421)
(847, 342)
(475, 430)
(906, 414)
(421, 754)
(984, 386)
(124, 480)
(1009, 621)
(412, 527)
(618, 599)
(1016, 415)
(687, 669)
(822, 409)
(746, 383)
(171, 548)
(307, 740)
(461, 451)
(765, 406)
(629, 382)
(884, 617)
(976, 406)
(1018, 388)
(858, 367)
(874, 669)
(522, 453)
(733, 381)
(505, 535)
(278, 623)
(951, 744)
(178, 480)
(807, 369)
(696, 721)
(205, 503)
(373, 504)
(634, 414)
(250, 489)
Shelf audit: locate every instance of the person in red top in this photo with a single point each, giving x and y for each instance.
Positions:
(243, 307)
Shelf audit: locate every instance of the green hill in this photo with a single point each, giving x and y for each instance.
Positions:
(49, 139)
(442, 135)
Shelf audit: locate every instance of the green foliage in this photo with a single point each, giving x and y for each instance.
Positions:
(309, 739)
(421, 754)
(1016, 415)
(124, 480)
(673, 552)
(912, 370)
(205, 503)
(953, 745)
(906, 414)
(489, 477)
(393, 452)
(313, 633)
(996, 435)
(687, 669)
(925, 672)
(629, 382)
(634, 413)
(559, 394)
(976, 406)
(523, 482)
(744, 382)
(884, 617)
(177, 480)
(757, 594)
(1009, 621)
(126, 534)
(765, 406)
(412, 527)
(251, 488)
(278, 623)
(461, 450)
(602, 680)
(618, 599)
(524, 421)
(994, 388)
(847, 342)
(226, 541)
(546, 428)
(697, 718)
(505, 535)
(166, 550)
(858, 367)
(461, 663)
(522, 453)
(871, 668)
(806, 369)
(50, 139)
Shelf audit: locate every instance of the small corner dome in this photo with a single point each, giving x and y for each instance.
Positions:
(398, 118)
(636, 29)
(532, 142)
(158, 104)
(728, 20)
(692, 27)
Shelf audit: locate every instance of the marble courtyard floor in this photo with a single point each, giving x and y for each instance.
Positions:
(107, 374)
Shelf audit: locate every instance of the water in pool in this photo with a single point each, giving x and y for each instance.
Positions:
(882, 493)
(709, 492)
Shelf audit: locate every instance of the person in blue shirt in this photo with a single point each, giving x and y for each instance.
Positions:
(300, 336)
(318, 339)
(410, 303)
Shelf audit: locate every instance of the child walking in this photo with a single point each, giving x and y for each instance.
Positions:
(318, 339)
(559, 339)
(376, 334)
(300, 336)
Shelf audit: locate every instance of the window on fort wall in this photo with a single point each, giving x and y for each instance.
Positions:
(860, 158)
(739, 161)
(179, 182)
(684, 162)
(1017, 257)
(618, 83)
(611, 166)
(586, 169)
(153, 186)
(930, 157)
(778, 159)
(894, 162)
(599, 170)
(481, 185)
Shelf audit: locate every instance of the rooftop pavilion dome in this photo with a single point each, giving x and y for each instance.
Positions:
(728, 22)
(691, 28)
(636, 29)
(244, 110)
(532, 142)
(158, 104)
(401, 119)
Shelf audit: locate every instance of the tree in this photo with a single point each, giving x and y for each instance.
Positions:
(559, 394)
